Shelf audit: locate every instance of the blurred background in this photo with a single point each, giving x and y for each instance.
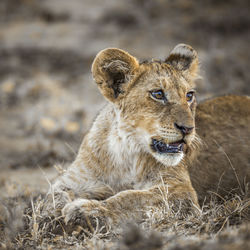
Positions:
(47, 96)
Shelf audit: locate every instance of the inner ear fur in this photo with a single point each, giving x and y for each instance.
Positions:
(112, 70)
(184, 58)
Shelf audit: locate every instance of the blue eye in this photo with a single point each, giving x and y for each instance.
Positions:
(158, 94)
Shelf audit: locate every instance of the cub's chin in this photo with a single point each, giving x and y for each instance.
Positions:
(168, 154)
(169, 159)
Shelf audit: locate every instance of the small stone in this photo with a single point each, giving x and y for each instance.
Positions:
(8, 87)
(72, 127)
(48, 124)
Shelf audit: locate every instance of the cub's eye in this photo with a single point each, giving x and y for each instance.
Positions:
(158, 94)
(190, 96)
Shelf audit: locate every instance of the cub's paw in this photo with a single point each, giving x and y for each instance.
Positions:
(87, 214)
(72, 211)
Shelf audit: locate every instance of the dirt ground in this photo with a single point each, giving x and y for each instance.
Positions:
(48, 98)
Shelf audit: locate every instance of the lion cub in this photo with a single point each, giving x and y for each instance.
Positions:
(133, 157)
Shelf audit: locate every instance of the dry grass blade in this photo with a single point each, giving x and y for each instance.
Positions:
(231, 165)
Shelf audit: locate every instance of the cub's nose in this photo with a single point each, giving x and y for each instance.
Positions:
(184, 130)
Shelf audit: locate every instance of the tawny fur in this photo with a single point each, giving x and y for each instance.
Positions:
(223, 165)
(116, 175)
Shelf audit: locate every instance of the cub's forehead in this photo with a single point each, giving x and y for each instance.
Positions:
(163, 76)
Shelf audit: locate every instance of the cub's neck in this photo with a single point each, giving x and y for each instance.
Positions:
(112, 148)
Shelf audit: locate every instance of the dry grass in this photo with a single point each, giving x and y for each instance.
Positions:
(221, 223)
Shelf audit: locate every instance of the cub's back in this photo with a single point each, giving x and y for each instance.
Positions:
(223, 165)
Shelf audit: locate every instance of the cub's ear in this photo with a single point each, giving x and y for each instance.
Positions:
(112, 70)
(184, 58)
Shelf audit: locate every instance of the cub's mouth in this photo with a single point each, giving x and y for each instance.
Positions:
(171, 148)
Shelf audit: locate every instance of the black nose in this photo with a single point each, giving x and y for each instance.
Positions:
(184, 130)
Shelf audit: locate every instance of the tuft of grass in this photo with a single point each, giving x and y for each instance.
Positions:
(219, 223)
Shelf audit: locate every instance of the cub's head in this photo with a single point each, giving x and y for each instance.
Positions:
(154, 100)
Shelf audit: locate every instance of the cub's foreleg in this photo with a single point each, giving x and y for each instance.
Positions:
(124, 206)
(72, 185)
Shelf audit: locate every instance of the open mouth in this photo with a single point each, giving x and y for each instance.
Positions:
(171, 148)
